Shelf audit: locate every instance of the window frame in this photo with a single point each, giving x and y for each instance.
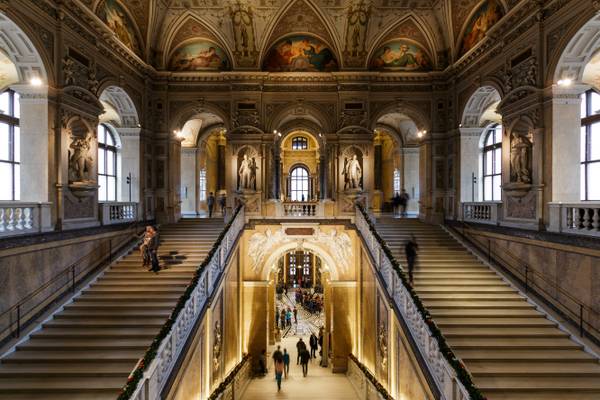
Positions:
(300, 143)
(202, 189)
(397, 183)
(587, 122)
(295, 179)
(106, 148)
(14, 133)
(491, 130)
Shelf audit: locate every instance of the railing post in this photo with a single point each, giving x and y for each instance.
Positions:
(19, 320)
(581, 320)
(489, 250)
(526, 278)
(72, 278)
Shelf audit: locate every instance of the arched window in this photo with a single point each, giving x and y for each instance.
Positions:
(10, 146)
(299, 143)
(299, 184)
(107, 164)
(492, 163)
(397, 186)
(590, 145)
(202, 185)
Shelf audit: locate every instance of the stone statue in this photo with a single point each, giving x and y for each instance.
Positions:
(81, 162)
(382, 344)
(358, 17)
(253, 169)
(218, 342)
(241, 18)
(352, 173)
(247, 173)
(520, 150)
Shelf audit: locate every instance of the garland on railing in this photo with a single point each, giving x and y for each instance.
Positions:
(372, 378)
(229, 379)
(461, 372)
(136, 376)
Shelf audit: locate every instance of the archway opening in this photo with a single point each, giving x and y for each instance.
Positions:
(301, 164)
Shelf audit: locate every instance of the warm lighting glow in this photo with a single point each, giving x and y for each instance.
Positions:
(422, 133)
(36, 82)
(565, 82)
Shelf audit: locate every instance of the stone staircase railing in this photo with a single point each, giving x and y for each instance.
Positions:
(482, 212)
(575, 218)
(302, 209)
(365, 384)
(450, 378)
(118, 213)
(20, 218)
(236, 382)
(151, 374)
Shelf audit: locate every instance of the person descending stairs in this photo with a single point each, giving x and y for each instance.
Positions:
(513, 351)
(87, 350)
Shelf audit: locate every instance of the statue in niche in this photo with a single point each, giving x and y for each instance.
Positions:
(358, 17)
(241, 18)
(81, 162)
(247, 173)
(352, 173)
(383, 347)
(520, 154)
(218, 342)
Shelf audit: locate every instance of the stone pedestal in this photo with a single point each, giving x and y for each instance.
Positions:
(251, 199)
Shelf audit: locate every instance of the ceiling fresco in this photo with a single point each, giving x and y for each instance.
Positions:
(248, 30)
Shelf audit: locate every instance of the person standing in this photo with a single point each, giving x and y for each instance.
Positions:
(403, 203)
(144, 249)
(262, 362)
(223, 203)
(410, 249)
(279, 368)
(304, 359)
(314, 345)
(295, 315)
(210, 201)
(286, 362)
(396, 203)
(300, 346)
(276, 316)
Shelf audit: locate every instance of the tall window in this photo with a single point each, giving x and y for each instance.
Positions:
(107, 164)
(299, 184)
(590, 145)
(10, 146)
(397, 181)
(202, 184)
(299, 143)
(492, 163)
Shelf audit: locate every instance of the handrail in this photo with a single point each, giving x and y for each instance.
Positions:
(384, 394)
(232, 378)
(156, 364)
(432, 342)
(71, 273)
(528, 278)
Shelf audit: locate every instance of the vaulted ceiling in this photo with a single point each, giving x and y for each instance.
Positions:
(241, 32)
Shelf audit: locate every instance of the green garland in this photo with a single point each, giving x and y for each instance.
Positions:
(372, 378)
(136, 376)
(461, 372)
(229, 379)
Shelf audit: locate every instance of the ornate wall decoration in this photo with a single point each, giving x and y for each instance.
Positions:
(260, 244)
(300, 53)
(520, 158)
(356, 32)
(217, 347)
(352, 170)
(480, 23)
(339, 245)
(521, 207)
(246, 118)
(400, 55)
(382, 345)
(118, 20)
(199, 55)
(247, 168)
(242, 17)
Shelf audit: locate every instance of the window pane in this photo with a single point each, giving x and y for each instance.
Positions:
(489, 140)
(595, 103)
(5, 103)
(17, 169)
(583, 106)
(583, 143)
(4, 142)
(17, 145)
(498, 138)
(101, 161)
(109, 138)
(595, 142)
(496, 187)
(488, 163)
(593, 181)
(6, 181)
(102, 189)
(487, 188)
(111, 189)
(17, 106)
(498, 161)
(110, 163)
(101, 134)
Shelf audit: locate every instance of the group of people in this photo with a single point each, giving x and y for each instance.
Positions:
(210, 202)
(149, 249)
(400, 202)
(283, 318)
(312, 302)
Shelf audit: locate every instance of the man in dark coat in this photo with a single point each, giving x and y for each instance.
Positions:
(300, 346)
(314, 345)
(410, 250)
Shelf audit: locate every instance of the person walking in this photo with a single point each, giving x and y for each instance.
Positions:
(288, 317)
(282, 318)
(149, 249)
(286, 363)
(300, 346)
(144, 247)
(210, 201)
(223, 203)
(304, 359)
(279, 368)
(276, 316)
(314, 345)
(403, 203)
(295, 315)
(410, 249)
(396, 203)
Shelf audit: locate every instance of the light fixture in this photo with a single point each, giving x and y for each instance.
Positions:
(35, 81)
(279, 134)
(565, 82)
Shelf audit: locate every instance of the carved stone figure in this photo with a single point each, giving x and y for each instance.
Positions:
(382, 344)
(217, 346)
(358, 17)
(520, 152)
(241, 18)
(81, 162)
(68, 72)
(352, 173)
(247, 173)
(339, 245)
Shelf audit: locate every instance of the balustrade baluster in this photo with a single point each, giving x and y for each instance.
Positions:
(586, 222)
(596, 223)
(10, 222)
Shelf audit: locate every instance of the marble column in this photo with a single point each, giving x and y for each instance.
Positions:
(323, 194)
(470, 163)
(130, 163)
(276, 173)
(188, 180)
(221, 172)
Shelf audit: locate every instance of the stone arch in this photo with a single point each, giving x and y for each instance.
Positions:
(192, 110)
(300, 113)
(478, 102)
(414, 113)
(291, 129)
(121, 101)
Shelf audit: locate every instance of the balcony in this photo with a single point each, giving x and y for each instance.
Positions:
(482, 212)
(302, 209)
(21, 218)
(118, 213)
(575, 218)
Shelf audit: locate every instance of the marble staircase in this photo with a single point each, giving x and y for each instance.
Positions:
(513, 351)
(87, 350)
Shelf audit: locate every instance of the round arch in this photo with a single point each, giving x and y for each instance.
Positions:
(191, 111)
(479, 100)
(418, 117)
(120, 100)
(295, 113)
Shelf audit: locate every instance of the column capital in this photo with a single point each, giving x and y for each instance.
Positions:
(31, 93)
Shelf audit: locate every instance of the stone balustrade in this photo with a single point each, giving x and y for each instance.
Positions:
(302, 209)
(157, 373)
(365, 388)
(488, 212)
(575, 218)
(118, 213)
(21, 218)
(444, 376)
